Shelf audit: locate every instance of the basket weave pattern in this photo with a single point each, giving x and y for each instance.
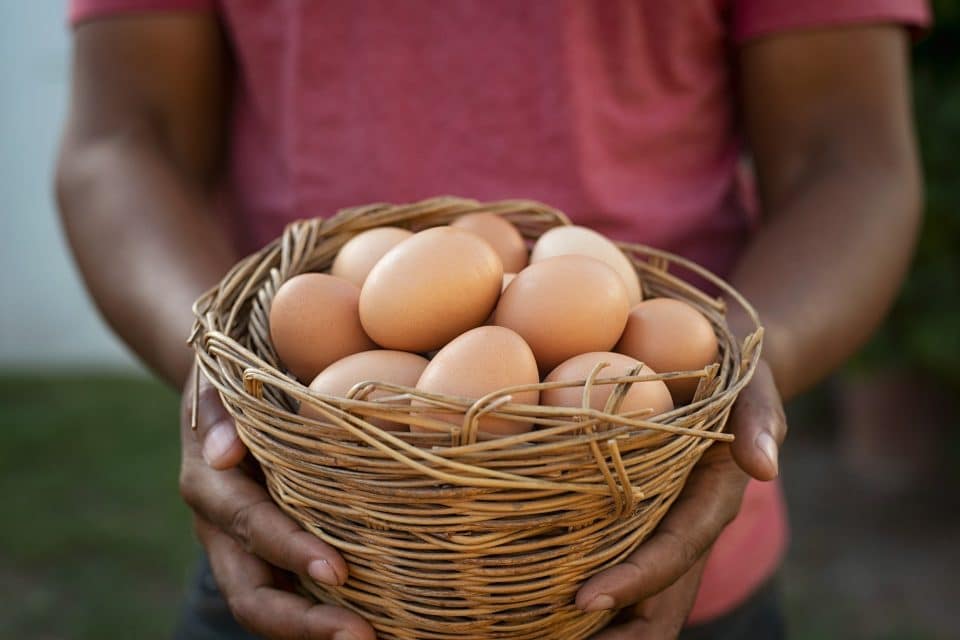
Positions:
(448, 533)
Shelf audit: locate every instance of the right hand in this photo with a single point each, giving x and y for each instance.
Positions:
(247, 537)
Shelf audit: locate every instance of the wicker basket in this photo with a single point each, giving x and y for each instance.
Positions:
(450, 534)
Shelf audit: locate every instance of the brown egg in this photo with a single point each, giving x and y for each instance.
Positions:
(429, 289)
(357, 257)
(481, 361)
(393, 367)
(502, 236)
(573, 240)
(565, 306)
(314, 322)
(652, 394)
(670, 335)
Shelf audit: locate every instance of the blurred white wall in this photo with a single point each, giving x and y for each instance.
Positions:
(46, 319)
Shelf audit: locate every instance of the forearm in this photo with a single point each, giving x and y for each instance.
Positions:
(144, 239)
(826, 265)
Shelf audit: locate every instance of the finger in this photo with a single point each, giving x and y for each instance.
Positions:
(662, 618)
(663, 615)
(242, 508)
(247, 584)
(760, 426)
(709, 501)
(639, 629)
(215, 438)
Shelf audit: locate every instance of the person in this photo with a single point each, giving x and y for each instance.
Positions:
(197, 129)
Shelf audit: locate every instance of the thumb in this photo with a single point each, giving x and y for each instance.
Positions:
(760, 426)
(215, 437)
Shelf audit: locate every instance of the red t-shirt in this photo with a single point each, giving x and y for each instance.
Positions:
(622, 113)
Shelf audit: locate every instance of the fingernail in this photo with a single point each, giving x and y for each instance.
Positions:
(218, 441)
(343, 634)
(768, 445)
(601, 603)
(321, 571)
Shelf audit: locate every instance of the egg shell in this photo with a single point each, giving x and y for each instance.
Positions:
(429, 289)
(479, 362)
(505, 239)
(357, 257)
(670, 335)
(507, 279)
(565, 306)
(574, 240)
(652, 394)
(314, 322)
(392, 367)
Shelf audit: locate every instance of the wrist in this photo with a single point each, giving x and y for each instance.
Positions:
(776, 350)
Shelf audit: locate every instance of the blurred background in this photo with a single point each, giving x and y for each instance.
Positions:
(95, 542)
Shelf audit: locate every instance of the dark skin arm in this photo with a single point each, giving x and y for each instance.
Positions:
(139, 168)
(829, 124)
(839, 179)
(139, 164)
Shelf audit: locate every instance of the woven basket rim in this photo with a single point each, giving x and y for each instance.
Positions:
(259, 373)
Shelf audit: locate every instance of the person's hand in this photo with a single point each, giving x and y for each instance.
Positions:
(663, 574)
(247, 537)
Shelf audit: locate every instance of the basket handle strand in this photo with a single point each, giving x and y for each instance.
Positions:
(254, 381)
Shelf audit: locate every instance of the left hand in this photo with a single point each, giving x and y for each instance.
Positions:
(663, 574)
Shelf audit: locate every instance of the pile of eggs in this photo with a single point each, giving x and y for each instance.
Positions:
(466, 310)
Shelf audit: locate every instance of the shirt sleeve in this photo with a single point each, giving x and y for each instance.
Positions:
(756, 18)
(81, 10)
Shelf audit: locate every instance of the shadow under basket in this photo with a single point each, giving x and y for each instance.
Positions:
(451, 534)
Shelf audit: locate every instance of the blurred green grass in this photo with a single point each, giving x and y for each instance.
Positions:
(95, 541)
